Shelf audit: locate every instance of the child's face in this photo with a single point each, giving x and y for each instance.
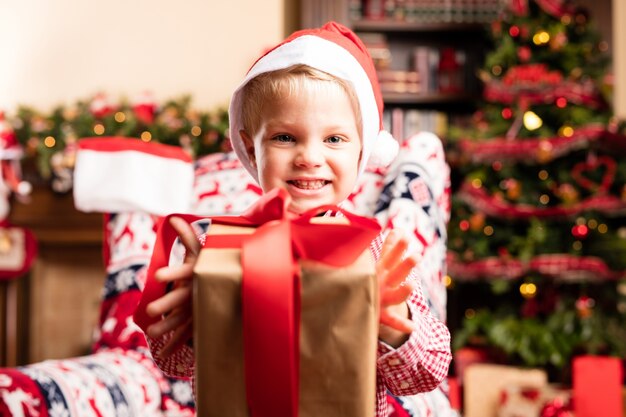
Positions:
(308, 144)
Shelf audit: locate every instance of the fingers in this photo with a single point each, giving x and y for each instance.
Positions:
(392, 250)
(172, 321)
(178, 297)
(393, 296)
(175, 272)
(398, 273)
(180, 337)
(394, 321)
(187, 237)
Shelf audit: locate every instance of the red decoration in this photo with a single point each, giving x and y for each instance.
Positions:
(584, 306)
(580, 171)
(563, 266)
(532, 75)
(556, 8)
(495, 206)
(499, 149)
(18, 249)
(597, 386)
(580, 231)
(558, 407)
(101, 106)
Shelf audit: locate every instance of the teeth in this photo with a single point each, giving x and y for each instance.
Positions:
(308, 184)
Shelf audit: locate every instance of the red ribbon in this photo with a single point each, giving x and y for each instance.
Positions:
(271, 287)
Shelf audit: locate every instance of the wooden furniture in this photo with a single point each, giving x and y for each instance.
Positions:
(53, 310)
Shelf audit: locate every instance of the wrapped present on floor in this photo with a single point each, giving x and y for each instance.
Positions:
(484, 383)
(531, 401)
(598, 386)
(285, 313)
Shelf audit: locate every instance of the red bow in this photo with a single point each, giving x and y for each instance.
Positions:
(271, 287)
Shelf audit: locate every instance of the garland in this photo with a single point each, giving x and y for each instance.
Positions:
(481, 201)
(582, 93)
(536, 150)
(49, 138)
(558, 266)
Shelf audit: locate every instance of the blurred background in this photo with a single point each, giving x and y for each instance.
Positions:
(163, 71)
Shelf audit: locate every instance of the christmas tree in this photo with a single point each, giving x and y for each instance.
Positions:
(538, 238)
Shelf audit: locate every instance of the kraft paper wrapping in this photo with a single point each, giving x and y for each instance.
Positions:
(338, 336)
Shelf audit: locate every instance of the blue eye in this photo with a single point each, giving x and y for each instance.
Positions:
(334, 139)
(283, 138)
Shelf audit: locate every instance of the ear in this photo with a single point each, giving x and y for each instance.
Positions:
(248, 143)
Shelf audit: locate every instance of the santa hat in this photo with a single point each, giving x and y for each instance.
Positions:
(118, 174)
(338, 51)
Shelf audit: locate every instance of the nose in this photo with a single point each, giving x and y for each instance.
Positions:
(309, 154)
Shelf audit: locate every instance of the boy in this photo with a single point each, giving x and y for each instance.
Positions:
(305, 119)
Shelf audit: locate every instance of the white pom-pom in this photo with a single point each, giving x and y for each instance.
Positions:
(384, 151)
(24, 188)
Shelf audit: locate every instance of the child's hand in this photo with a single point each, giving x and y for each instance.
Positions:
(392, 271)
(175, 307)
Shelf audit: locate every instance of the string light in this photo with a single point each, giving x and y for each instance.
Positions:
(120, 116)
(488, 230)
(566, 19)
(544, 199)
(477, 183)
(566, 131)
(577, 245)
(464, 225)
(528, 290)
(561, 102)
(496, 166)
(541, 38)
(496, 70)
(470, 313)
(49, 141)
(196, 131)
(532, 121)
(603, 228)
(592, 224)
(98, 129)
(146, 136)
(543, 175)
(507, 113)
(514, 31)
(447, 280)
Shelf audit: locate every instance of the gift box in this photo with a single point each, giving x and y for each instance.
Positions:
(530, 401)
(285, 312)
(597, 386)
(483, 385)
(334, 306)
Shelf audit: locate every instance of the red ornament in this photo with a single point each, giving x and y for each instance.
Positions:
(580, 231)
(507, 113)
(584, 306)
(580, 171)
(557, 408)
(524, 54)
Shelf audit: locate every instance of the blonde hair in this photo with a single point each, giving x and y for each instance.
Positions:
(282, 83)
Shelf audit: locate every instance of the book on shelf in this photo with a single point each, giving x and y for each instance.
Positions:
(403, 123)
(427, 11)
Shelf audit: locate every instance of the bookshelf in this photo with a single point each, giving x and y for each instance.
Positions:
(427, 54)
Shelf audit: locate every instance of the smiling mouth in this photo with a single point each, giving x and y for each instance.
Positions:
(308, 184)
